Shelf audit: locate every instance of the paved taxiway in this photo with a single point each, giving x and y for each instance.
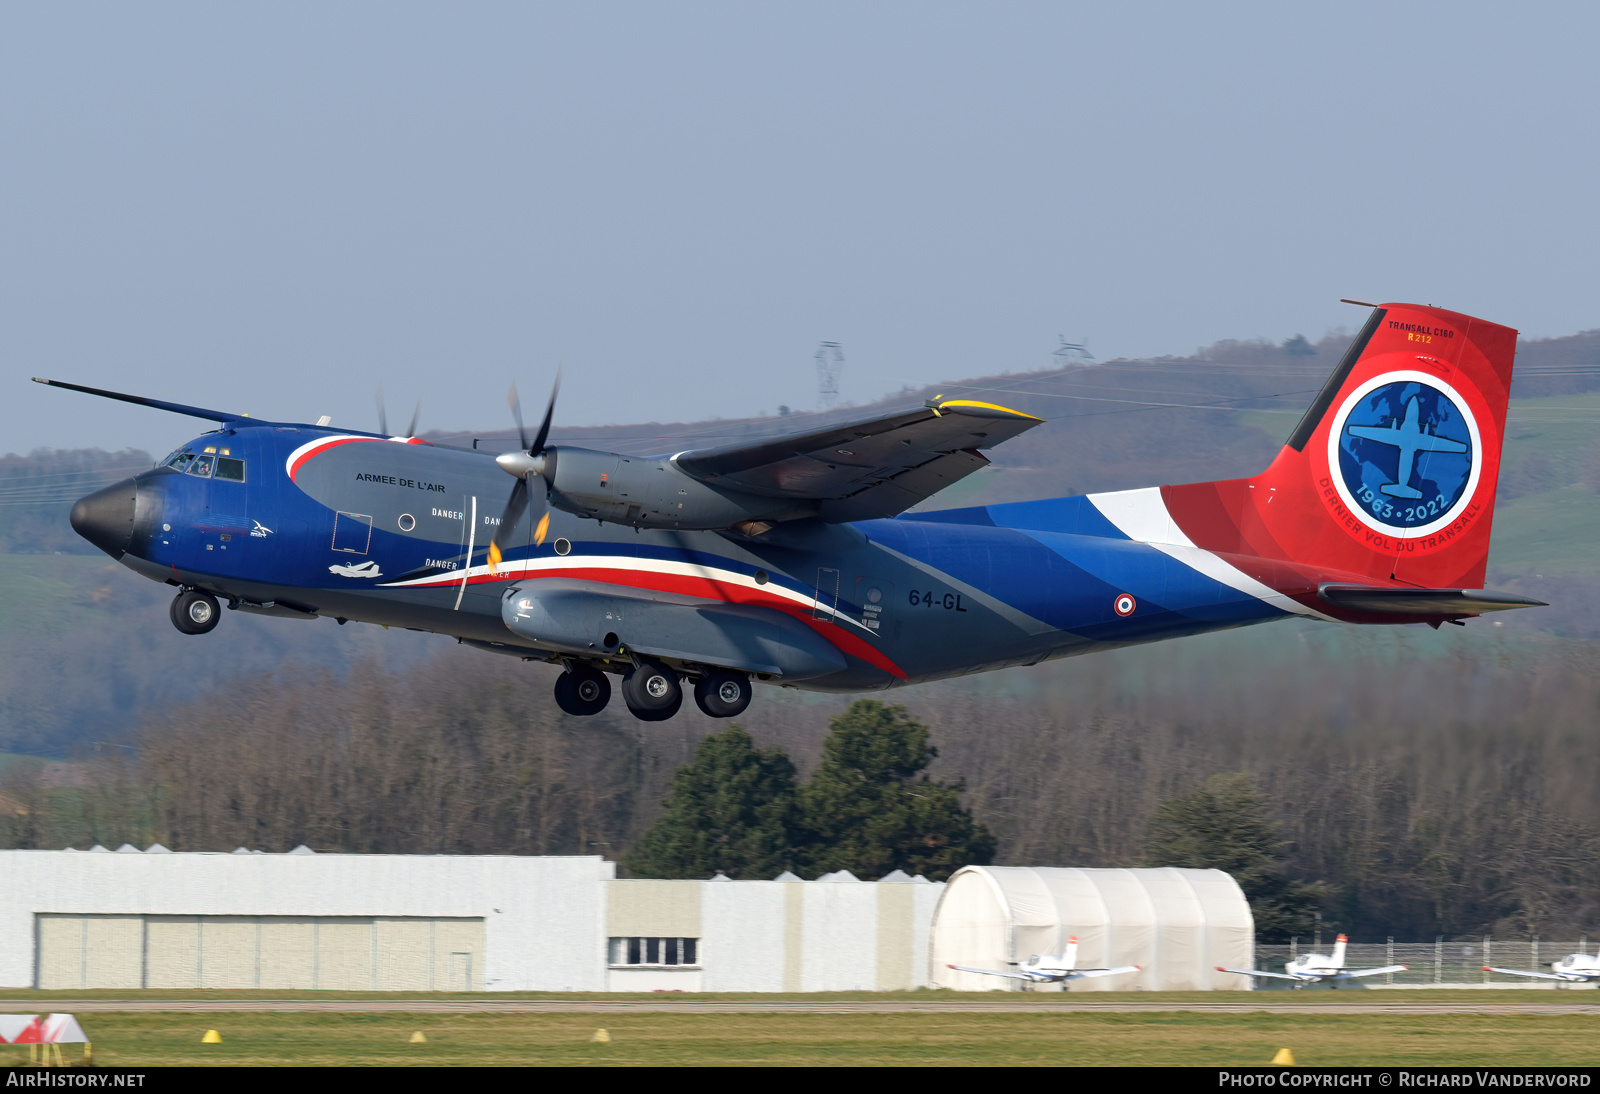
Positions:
(853, 1006)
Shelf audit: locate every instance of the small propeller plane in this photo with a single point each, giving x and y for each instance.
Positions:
(1044, 968)
(1575, 968)
(793, 561)
(1317, 968)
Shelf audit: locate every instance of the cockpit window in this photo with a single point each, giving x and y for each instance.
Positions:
(201, 466)
(179, 459)
(230, 470)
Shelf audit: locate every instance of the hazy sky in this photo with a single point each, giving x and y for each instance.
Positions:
(272, 208)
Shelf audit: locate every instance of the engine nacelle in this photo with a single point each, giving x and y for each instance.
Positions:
(646, 493)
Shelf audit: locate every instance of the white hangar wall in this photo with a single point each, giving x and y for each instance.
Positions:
(75, 919)
(1177, 925)
(833, 934)
(158, 919)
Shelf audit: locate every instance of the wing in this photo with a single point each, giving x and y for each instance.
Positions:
(877, 467)
(1371, 972)
(1259, 972)
(1390, 600)
(140, 400)
(1563, 977)
(1029, 976)
(1091, 973)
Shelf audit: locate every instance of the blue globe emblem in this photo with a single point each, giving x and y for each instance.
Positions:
(1405, 453)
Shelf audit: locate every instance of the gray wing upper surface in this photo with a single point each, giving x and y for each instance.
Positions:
(875, 467)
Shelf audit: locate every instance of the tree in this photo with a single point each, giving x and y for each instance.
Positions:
(1223, 826)
(731, 809)
(1299, 347)
(866, 811)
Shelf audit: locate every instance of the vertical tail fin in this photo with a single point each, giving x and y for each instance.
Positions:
(1391, 474)
(1070, 958)
(1338, 951)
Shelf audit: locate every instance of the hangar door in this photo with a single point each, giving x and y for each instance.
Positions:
(330, 953)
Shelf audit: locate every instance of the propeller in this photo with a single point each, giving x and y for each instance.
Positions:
(383, 415)
(524, 464)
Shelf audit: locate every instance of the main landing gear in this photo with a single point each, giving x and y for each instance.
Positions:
(652, 691)
(582, 690)
(194, 612)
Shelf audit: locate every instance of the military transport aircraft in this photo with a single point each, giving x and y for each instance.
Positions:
(1044, 968)
(1575, 968)
(793, 560)
(1317, 968)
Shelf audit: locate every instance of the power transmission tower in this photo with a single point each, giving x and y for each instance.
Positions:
(830, 362)
(1071, 353)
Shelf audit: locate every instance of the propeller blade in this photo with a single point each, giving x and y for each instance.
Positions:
(383, 415)
(549, 412)
(411, 430)
(515, 402)
(516, 505)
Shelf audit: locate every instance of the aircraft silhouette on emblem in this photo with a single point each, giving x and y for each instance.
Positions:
(1410, 438)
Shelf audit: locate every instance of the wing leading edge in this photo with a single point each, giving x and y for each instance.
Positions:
(875, 467)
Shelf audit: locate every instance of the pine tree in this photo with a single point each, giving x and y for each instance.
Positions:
(865, 810)
(1223, 826)
(731, 809)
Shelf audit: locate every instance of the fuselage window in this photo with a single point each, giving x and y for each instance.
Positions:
(230, 470)
(180, 460)
(202, 466)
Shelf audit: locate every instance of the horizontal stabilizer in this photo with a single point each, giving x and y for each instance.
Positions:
(1399, 600)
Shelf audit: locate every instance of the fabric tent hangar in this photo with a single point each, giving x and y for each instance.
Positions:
(1177, 925)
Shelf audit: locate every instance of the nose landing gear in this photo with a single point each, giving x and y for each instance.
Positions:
(194, 612)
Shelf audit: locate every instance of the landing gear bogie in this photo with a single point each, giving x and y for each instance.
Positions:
(194, 612)
(722, 694)
(652, 691)
(582, 690)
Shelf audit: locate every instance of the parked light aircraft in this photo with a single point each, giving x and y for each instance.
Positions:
(1316, 968)
(1044, 968)
(1575, 968)
(792, 560)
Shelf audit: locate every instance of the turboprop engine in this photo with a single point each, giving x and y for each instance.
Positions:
(645, 493)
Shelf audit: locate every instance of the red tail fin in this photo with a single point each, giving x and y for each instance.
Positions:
(1391, 474)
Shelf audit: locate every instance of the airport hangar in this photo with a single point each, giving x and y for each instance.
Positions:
(305, 921)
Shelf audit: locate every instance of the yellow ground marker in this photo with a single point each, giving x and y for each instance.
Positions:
(601, 1037)
(212, 1037)
(418, 1039)
(1284, 1057)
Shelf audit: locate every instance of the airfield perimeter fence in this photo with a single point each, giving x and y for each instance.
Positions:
(1454, 962)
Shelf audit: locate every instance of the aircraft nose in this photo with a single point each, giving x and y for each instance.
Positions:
(105, 518)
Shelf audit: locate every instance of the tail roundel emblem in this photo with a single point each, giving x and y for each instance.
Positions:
(1405, 453)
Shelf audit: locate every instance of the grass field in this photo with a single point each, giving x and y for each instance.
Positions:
(1165, 1038)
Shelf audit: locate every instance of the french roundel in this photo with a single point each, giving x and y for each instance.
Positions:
(1124, 604)
(1405, 454)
